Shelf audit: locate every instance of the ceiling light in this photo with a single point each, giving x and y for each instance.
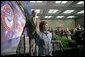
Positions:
(70, 16)
(39, 1)
(59, 16)
(63, 2)
(52, 11)
(38, 10)
(48, 16)
(35, 1)
(81, 12)
(55, 11)
(58, 1)
(68, 11)
(81, 2)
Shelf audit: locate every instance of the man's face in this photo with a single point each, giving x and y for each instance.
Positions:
(34, 13)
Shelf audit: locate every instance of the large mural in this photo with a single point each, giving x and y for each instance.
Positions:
(12, 24)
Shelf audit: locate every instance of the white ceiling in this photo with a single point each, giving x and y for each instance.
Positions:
(45, 6)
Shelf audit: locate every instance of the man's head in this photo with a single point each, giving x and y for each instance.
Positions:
(34, 13)
(43, 26)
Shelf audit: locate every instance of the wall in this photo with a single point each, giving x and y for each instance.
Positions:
(79, 21)
(66, 23)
